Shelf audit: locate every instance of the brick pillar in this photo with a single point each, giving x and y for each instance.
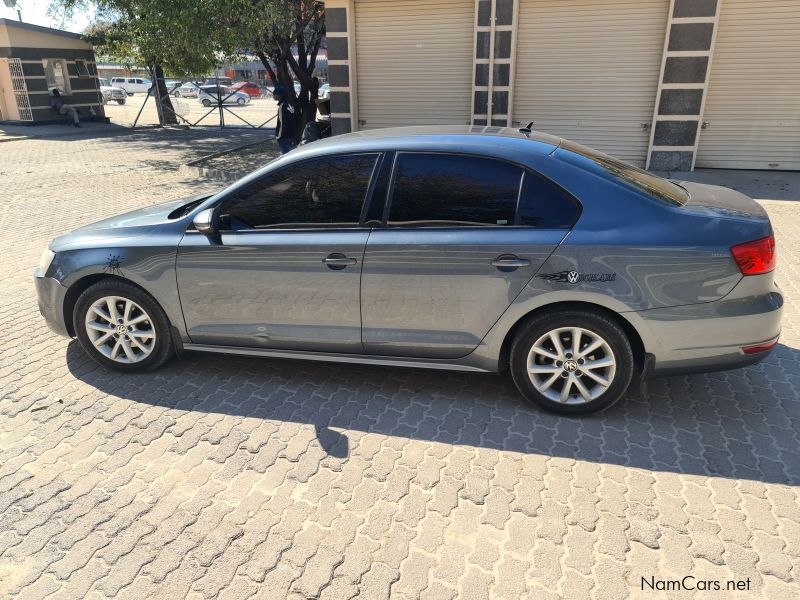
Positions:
(683, 84)
(340, 31)
(493, 60)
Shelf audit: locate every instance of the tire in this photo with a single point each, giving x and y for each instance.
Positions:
(240, 101)
(148, 340)
(570, 371)
(121, 101)
(206, 102)
(129, 94)
(177, 93)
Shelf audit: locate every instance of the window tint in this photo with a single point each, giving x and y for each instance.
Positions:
(318, 192)
(546, 206)
(441, 190)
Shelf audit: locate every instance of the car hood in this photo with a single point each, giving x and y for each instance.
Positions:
(127, 225)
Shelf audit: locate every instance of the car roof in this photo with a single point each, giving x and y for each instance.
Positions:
(498, 141)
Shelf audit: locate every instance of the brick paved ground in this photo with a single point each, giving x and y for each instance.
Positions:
(231, 477)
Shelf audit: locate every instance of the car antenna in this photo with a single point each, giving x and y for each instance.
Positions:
(527, 129)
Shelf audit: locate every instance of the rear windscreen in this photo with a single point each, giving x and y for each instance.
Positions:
(657, 187)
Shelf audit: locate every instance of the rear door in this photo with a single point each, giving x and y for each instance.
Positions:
(461, 237)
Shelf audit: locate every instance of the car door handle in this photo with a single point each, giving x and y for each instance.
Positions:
(510, 261)
(338, 261)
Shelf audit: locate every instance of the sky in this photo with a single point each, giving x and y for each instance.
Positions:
(35, 11)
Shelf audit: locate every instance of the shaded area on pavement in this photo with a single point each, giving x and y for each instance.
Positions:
(739, 425)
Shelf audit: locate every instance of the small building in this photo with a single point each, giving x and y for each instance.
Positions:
(671, 84)
(33, 61)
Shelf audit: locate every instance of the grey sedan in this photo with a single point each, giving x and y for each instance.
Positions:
(465, 248)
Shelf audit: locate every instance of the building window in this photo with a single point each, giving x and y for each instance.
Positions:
(55, 71)
(83, 70)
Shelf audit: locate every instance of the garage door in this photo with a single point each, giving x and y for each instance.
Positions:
(753, 102)
(414, 62)
(587, 70)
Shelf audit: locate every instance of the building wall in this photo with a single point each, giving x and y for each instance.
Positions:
(31, 44)
(656, 118)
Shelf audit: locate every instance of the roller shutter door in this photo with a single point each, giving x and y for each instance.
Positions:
(414, 62)
(587, 70)
(753, 101)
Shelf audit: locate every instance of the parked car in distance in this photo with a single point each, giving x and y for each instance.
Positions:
(187, 90)
(458, 247)
(132, 85)
(246, 87)
(207, 96)
(172, 84)
(111, 92)
(324, 91)
(223, 81)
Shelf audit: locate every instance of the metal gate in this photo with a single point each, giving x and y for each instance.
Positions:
(20, 89)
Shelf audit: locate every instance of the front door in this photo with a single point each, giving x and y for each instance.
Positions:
(285, 271)
(455, 252)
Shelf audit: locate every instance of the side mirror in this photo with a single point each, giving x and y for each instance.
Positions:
(204, 222)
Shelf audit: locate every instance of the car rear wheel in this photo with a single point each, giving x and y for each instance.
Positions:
(206, 102)
(240, 101)
(122, 327)
(572, 361)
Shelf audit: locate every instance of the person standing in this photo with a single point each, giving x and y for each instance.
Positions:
(286, 127)
(62, 108)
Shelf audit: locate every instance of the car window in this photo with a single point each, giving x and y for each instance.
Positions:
(442, 190)
(322, 192)
(139, 81)
(544, 205)
(654, 186)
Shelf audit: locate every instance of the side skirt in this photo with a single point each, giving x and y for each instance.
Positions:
(364, 359)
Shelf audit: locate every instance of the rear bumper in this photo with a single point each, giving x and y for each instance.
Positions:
(710, 337)
(51, 296)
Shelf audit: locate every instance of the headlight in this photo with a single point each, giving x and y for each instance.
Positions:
(44, 262)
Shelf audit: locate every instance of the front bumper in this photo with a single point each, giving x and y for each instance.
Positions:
(51, 295)
(710, 337)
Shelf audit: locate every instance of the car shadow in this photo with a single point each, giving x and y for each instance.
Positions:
(740, 424)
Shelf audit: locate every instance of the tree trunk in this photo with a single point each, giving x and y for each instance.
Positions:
(166, 112)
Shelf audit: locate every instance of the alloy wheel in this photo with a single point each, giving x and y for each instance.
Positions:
(120, 329)
(571, 365)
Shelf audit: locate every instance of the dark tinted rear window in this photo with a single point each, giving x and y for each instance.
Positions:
(655, 186)
(444, 190)
(545, 205)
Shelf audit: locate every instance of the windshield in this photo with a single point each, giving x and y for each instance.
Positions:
(104, 82)
(657, 187)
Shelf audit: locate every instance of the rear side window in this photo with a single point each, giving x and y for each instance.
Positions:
(545, 205)
(441, 190)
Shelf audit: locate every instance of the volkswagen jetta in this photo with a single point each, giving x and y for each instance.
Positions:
(467, 248)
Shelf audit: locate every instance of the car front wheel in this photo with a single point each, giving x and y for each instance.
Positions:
(206, 103)
(572, 361)
(122, 327)
(121, 101)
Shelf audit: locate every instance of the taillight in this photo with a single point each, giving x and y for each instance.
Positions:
(756, 257)
(763, 347)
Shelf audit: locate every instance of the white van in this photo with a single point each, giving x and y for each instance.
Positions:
(132, 85)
